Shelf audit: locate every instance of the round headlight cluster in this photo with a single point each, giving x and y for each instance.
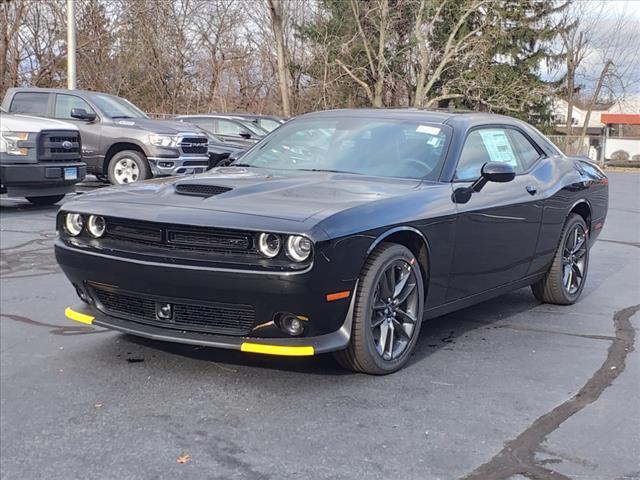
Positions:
(75, 222)
(296, 247)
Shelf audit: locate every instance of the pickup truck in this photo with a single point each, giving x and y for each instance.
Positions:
(39, 158)
(119, 141)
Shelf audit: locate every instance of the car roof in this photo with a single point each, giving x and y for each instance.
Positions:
(425, 115)
(58, 90)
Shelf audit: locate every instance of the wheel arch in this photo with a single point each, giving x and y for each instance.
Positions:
(415, 241)
(117, 148)
(582, 208)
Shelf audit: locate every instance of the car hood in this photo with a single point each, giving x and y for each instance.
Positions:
(167, 127)
(295, 195)
(28, 123)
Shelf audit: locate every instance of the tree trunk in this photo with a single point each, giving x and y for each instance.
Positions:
(594, 99)
(276, 9)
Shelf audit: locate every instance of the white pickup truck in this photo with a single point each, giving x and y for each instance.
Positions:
(40, 159)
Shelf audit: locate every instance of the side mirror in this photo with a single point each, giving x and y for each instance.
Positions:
(491, 172)
(246, 135)
(82, 114)
(498, 172)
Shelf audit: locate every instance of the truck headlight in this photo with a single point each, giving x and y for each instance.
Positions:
(163, 140)
(12, 139)
(96, 226)
(73, 223)
(269, 244)
(298, 248)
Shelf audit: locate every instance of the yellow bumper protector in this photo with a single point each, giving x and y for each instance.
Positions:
(277, 349)
(78, 317)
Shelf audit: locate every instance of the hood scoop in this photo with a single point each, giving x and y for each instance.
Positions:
(200, 190)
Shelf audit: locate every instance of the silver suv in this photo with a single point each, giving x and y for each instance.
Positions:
(119, 141)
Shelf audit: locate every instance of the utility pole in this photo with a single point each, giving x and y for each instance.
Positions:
(71, 44)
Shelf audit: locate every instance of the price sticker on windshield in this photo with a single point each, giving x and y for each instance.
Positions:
(428, 129)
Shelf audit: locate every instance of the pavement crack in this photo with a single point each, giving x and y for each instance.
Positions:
(556, 332)
(518, 455)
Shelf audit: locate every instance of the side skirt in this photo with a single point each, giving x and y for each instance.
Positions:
(480, 297)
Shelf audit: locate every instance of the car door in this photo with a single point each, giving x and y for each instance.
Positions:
(90, 131)
(497, 228)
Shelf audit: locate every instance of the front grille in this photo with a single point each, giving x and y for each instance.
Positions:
(59, 146)
(198, 145)
(177, 237)
(220, 318)
(200, 190)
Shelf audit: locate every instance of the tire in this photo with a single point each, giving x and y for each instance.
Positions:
(553, 287)
(46, 200)
(362, 353)
(128, 167)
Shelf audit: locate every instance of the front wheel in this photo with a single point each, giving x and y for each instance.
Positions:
(387, 314)
(46, 200)
(565, 279)
(128, 167)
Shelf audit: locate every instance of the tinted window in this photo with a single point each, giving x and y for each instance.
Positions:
(526, 152)
(369, 146)
(488, 145)
(64, 104)
(226, 127)
(30, 102)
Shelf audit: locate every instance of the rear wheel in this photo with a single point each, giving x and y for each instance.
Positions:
(46, 200)
(127, 167)
(564, 281)
(387, 314)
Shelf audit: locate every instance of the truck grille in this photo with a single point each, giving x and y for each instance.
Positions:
(175, 237)
(59, 146)
(194, 145)
(220, 318)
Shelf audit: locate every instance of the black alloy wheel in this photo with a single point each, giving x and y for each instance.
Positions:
(387, 312)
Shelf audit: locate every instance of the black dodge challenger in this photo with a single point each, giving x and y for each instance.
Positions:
(339, 232)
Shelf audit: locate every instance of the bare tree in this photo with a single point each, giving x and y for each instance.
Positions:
(276, 9)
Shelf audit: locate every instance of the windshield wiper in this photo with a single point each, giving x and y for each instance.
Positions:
(121, 116)
(325, 170)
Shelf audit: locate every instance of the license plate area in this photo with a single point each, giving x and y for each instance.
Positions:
(70, 173)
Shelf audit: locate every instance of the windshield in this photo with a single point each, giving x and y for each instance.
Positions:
(369, 146)
(116, 107)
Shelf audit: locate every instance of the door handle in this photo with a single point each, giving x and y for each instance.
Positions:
(532, 189)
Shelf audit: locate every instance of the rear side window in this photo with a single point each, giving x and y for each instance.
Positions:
(33, 103)
(64, 104)
(204, 123)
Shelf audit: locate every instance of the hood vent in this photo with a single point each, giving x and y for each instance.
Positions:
(199, 190)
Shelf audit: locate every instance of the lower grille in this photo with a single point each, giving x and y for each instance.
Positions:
(218, 318)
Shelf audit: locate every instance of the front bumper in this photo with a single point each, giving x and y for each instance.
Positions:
(281, 346)
(43, 178)
(182, 165)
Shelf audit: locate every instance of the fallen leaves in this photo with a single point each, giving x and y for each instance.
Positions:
(184, 458)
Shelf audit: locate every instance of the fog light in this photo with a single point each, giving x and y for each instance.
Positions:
(166, 164)
(83, 296)
(290, 324)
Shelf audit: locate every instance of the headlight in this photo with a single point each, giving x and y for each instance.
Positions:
(163, 140)
(298, 248)
(12, 139)
(96, 226)
(73, 224)
(269, 244)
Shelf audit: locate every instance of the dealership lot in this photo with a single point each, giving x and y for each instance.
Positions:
(82, 402)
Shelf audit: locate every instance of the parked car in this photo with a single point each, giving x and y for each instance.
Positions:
(119, 141)
(235, 131)
(40, 159)
(266, 122)
(344, 246)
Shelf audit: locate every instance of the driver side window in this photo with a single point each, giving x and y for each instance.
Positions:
(229, 128)
(486, 145)
(64, 104)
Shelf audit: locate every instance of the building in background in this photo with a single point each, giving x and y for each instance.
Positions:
(613, 131)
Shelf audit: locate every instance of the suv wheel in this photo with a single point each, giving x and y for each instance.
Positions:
(46, 200)
(127, 167)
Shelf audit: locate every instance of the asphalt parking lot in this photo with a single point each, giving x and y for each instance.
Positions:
(506, 389)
